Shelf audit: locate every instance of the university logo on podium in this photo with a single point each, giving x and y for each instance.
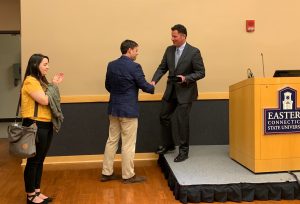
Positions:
(286, 118)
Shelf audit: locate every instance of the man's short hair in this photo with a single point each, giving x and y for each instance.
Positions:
(126, 44)
(180, 28)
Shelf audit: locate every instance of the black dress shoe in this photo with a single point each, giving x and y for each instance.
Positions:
(164, 149)
(181, 157)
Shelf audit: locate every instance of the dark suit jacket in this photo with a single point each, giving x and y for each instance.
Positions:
(124, 78)
(190, 65)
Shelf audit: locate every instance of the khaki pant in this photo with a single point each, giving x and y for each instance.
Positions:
(126, 128)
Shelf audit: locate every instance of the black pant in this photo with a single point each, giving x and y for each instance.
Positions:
(182, 119)
(34, 166)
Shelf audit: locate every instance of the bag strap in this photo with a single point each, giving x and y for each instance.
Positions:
(19, 105)
(36, 106)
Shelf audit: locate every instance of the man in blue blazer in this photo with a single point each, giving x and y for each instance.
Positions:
(185, 66)
(124, 78)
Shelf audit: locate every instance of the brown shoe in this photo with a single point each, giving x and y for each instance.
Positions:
(105, 178)
(134, 179)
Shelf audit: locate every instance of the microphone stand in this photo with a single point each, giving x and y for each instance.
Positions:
(263, 63)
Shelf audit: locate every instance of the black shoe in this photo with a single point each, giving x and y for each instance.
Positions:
(134, 179)
(30, 199)
(105, 178)
(181, 157)
(48, 199)
(164, 149)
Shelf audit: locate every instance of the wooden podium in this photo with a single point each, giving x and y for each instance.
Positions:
(249, 144)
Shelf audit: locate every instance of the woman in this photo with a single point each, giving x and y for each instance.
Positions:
(35, 109)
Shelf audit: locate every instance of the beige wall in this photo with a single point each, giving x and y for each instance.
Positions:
(82, 36)
(10, 15)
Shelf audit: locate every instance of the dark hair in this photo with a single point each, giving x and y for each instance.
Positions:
(33, 68)
(180, 28)
(126, 44)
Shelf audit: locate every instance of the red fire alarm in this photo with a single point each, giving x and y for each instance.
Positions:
(250, 25)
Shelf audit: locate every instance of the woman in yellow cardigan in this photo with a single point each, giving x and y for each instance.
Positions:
(34, 99)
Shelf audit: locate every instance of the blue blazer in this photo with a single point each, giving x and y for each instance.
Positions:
(123, 80)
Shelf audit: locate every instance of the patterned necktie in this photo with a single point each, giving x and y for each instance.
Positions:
(177, 56)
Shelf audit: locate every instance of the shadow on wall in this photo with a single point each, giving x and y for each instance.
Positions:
(10, 78)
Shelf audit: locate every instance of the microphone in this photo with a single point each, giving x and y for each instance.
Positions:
(249, 73)
(263, 63)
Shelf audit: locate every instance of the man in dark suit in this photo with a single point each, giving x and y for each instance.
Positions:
(185, 66)
(124, 78)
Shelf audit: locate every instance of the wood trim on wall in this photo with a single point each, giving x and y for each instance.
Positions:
(142, 97)
(93, 158)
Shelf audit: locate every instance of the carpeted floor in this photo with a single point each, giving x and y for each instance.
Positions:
(211, 164)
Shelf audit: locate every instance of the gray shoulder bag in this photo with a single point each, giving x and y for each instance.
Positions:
(21, 138)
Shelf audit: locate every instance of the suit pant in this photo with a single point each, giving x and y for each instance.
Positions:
(182, 118)
(125, 128)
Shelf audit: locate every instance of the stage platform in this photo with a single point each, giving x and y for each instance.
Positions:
(209, 175)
